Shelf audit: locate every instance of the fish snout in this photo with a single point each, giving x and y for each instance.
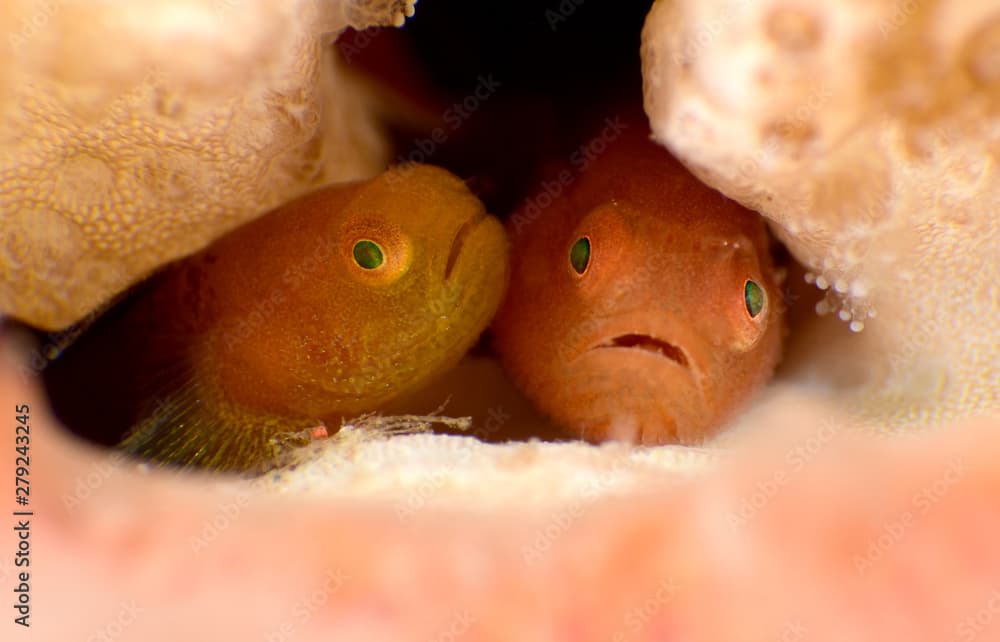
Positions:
(647, 376)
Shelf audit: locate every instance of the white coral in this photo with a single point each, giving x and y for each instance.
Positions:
(134, 133)
(869, 134)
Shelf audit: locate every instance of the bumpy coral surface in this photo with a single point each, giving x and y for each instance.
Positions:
(133, 134)
(869, 134)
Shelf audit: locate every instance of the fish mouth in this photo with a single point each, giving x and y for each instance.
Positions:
(649, 344)
(456, 244)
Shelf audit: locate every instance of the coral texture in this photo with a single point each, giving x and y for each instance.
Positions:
(869, 134)
(133, 136)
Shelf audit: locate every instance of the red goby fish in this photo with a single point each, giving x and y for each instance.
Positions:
(327, 307)
(643, 306)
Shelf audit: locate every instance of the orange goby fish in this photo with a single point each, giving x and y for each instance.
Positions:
(643, 306)
(322, 309)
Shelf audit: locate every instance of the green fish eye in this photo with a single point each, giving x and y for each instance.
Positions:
(368, 254)
(753, 296)
(579, 255)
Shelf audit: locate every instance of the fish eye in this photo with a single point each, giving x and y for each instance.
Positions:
(368, 254)
(579, 255)
(754, 298)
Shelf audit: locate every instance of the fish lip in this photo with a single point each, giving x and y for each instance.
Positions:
(459, 241)
(665, 383)
(647, 343)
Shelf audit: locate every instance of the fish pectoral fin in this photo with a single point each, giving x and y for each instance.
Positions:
(188, 428)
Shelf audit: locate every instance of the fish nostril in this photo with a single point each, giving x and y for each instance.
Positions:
(457, 243)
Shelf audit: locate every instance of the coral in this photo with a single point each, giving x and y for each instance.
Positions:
(869, 134)
(133, 135)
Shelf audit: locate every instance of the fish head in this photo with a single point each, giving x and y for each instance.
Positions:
(627, 322)
(417, 271)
